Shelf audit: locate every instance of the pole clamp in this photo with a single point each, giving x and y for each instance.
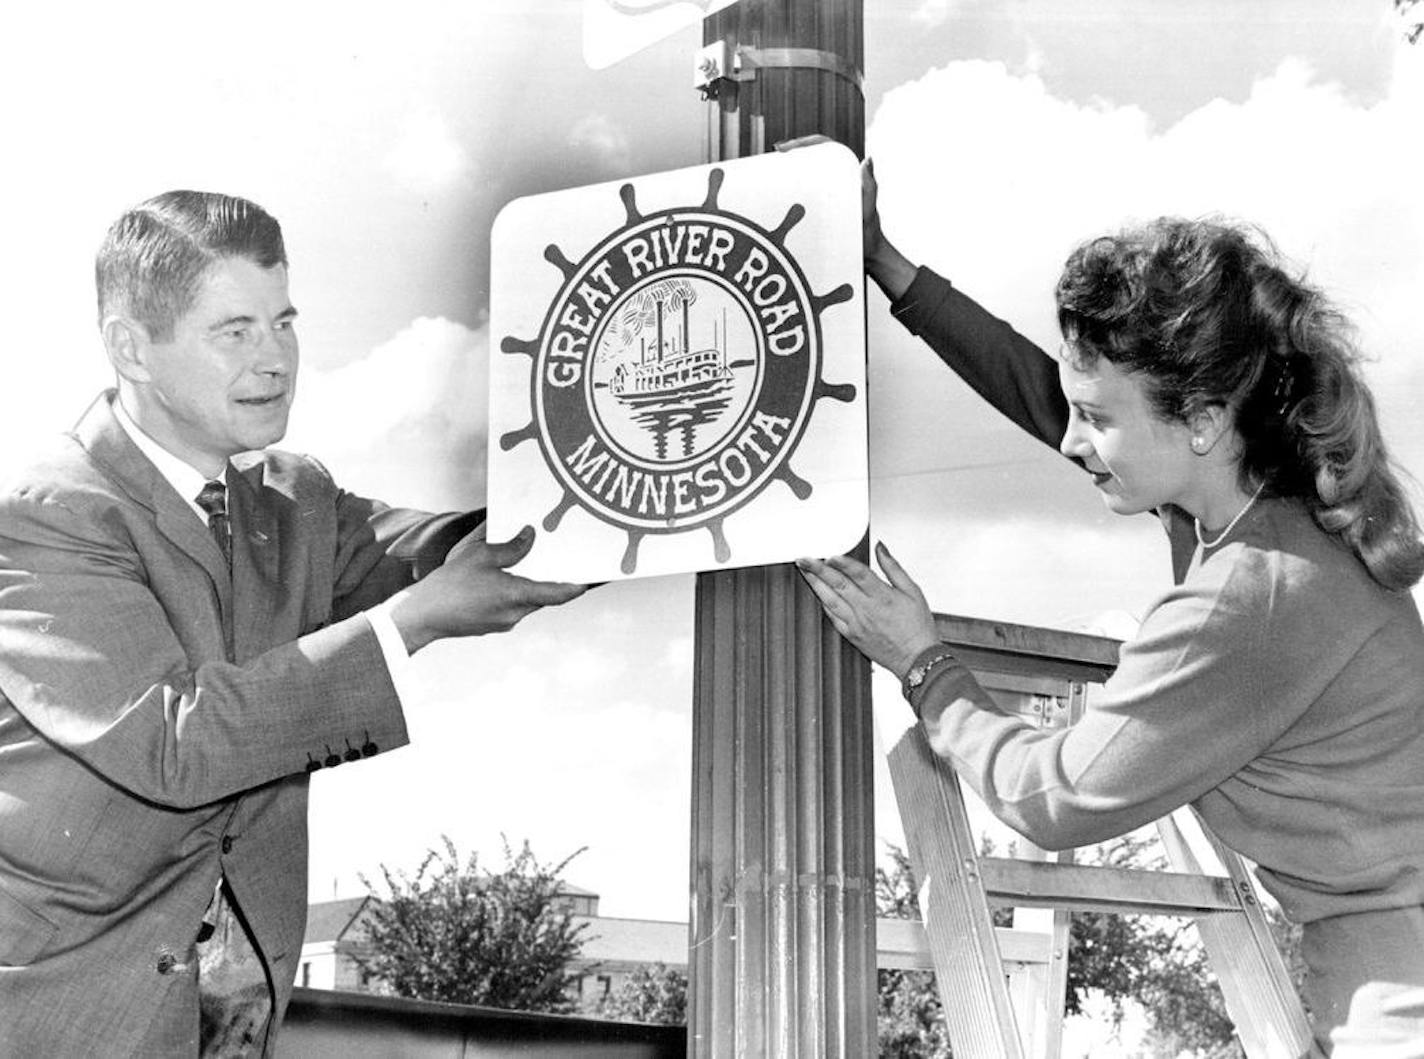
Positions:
(720, 62)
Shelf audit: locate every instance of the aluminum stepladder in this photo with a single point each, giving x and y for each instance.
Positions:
(1014, 1010)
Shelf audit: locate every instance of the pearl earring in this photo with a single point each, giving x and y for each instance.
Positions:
(1198, 444)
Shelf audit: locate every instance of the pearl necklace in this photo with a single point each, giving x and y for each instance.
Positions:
(1230, 525)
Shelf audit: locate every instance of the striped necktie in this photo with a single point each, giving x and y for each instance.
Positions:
(213, 500)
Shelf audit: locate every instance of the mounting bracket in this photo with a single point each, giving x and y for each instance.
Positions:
(719, 62)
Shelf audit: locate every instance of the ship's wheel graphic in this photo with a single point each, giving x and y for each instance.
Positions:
(676, 370)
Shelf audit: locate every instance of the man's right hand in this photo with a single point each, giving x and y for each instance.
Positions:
(472, 593)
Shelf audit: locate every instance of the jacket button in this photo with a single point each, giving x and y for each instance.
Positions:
(166, 962)
(332, 760)
(370, 749)
(227, 843)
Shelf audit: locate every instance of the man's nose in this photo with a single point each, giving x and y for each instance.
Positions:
(276, 353)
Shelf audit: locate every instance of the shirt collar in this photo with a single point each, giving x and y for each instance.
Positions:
(185, 479)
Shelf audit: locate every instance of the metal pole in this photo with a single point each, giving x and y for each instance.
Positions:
(782, 938)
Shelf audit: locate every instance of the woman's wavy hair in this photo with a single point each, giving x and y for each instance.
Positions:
(1205, 311)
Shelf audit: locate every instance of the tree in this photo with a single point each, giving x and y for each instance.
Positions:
(456, 934)
(909, 1017)
(655, 994)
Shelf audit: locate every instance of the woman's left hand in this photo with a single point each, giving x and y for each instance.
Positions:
(889, 622)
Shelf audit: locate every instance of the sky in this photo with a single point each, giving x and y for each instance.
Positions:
(388, 140)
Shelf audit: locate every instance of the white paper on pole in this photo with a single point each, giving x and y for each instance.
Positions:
(616, 29)
(677, 369)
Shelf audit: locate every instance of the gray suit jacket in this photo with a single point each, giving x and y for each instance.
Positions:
(159, 719)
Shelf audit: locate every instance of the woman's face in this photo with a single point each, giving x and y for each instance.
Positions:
(1139, 461)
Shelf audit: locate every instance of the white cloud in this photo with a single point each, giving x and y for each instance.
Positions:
(427, 157)
(933, 12)
(405, 423)
(605, 139)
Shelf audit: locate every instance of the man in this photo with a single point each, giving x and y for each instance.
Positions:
(189, 626)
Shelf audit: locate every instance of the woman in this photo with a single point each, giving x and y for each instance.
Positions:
(1279, 686)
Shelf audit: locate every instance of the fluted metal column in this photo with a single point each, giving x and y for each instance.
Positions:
(782, 937)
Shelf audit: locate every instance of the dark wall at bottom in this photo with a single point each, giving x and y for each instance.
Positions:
(322, 1024)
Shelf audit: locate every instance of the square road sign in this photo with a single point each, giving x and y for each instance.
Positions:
(677, 371)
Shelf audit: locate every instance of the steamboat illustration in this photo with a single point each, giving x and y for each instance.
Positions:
(666, 385)
(672, 374)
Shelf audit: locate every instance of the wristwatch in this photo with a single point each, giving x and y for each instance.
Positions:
(920, 670)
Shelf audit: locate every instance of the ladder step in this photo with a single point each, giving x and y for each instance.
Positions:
(903, 945)
(1081, 887)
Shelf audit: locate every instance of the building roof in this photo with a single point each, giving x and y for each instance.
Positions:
(633, 940)
(570, 890)
(330, 920)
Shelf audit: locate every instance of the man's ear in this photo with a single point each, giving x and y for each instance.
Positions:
(126, 341)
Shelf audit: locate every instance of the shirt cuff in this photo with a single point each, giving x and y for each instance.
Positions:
(392, 646)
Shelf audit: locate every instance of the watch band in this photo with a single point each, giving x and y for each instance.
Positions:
(924, 664)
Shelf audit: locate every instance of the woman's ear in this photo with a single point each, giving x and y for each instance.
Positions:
(1208, 425)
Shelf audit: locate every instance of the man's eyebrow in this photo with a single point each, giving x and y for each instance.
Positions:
(231, 321)
(247, 319)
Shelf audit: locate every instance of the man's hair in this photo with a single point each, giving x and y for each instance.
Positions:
(153, 259)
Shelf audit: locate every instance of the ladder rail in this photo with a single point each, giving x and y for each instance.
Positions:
(1260, 998)
(963, 944)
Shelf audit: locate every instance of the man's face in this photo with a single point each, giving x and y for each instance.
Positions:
(224, 384)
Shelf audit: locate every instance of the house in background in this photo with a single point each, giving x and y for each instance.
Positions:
(335, 936)
(612, 948)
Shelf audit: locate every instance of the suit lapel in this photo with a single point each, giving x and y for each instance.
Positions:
(116, 454)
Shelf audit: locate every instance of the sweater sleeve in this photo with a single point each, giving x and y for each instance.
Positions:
(1001, 365)
(1195, 698)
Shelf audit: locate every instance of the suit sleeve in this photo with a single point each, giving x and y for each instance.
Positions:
(1002, 366)
(89, 656)
(380, 549)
